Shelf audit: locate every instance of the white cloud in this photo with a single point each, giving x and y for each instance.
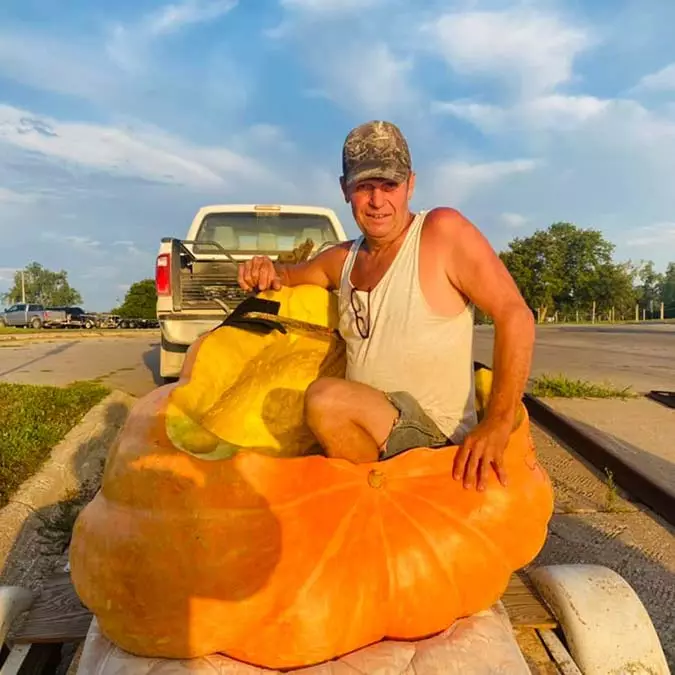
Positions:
(325, 7)
(128, 70)
(532, 50)
(299, 14)
(82, 243)
(650, 235)
(69, 68)
(106, 272)
(384, 91)
(130, 248)
(7, 273)
(513, 220)
(456, 182)
(127, 44)
(172, 17)
(550, 112)
(8, 196)
(78, 242)
(662, 80)
(358, 65)
(608, 170)
(149, 154)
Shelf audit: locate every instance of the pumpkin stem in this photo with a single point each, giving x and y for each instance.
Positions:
(376, 479)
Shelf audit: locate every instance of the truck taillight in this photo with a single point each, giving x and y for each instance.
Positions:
(163, 274)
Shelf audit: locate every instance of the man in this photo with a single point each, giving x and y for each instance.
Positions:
(406, 287)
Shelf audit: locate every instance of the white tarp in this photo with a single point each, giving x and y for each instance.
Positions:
(482, 644)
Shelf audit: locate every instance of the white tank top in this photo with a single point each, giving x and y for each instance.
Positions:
(410, 347)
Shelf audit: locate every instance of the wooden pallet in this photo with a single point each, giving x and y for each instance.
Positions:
(58, 617)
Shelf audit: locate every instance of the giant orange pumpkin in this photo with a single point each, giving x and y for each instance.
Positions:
(219, 529)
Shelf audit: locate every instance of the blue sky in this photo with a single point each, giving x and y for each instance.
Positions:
(118, 120)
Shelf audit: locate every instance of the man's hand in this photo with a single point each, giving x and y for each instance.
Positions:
(483, 450)
(260, 273)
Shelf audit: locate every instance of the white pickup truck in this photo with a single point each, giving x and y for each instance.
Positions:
(191, 272)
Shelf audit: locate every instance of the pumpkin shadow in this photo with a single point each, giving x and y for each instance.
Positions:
(178, 543)
(283, 409)
(288, 428)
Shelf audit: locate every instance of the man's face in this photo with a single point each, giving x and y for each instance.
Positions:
(380, 206)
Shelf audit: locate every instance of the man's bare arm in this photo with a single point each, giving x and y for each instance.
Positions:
(478, 272)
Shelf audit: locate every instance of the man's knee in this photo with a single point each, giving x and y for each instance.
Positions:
(323, 395)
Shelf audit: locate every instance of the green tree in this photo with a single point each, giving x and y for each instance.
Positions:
(650, 288)
(668, 290)
(529, 262)
(42, 286)
(613, 288)
(140, 301)
(564, 268)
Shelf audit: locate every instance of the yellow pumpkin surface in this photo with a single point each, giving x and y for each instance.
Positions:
(246, 390)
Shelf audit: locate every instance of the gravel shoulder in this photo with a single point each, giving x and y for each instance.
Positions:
(596, 523)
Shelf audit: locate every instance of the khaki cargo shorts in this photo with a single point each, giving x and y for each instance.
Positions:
(412, 429)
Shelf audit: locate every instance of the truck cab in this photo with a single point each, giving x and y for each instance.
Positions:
(190, 271)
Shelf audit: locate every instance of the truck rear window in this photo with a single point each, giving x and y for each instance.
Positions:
(265, 231)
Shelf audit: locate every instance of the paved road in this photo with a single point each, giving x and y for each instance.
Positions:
(129, 363)
(640, 356)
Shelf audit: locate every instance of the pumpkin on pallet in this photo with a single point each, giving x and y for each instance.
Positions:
(219, 526)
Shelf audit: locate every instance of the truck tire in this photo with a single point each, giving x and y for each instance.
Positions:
(171, 358)
(35, 322)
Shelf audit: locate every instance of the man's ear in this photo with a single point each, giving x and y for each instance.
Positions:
(411, 185)
(345, 191)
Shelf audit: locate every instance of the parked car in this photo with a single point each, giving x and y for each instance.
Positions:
(76, 317)
(33, 315)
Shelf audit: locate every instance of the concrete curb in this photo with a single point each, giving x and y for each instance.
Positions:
(77, 459)
(596, 449)
(76, 334)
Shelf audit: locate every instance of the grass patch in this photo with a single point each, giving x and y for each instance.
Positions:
(33, 419)
(563, 387)
(20, 330)
(11, 330)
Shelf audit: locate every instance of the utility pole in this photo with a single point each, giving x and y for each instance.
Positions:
(23, 286)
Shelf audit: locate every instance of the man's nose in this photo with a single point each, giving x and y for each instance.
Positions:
(376, 198)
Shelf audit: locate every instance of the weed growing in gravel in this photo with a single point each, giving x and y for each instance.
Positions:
(612, 494)
(563, 387)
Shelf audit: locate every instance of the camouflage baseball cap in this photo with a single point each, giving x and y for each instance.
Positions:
(375, 149)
